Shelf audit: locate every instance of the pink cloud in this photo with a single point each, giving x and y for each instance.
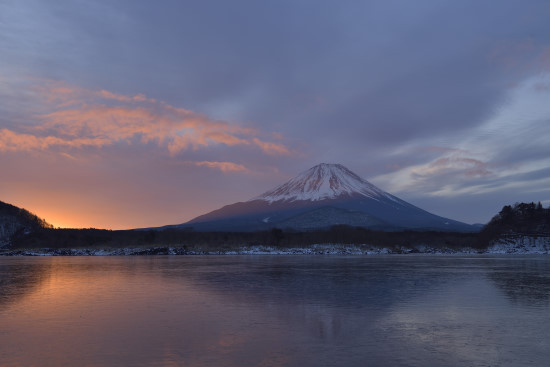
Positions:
(222, 166)
(468, 167)
(74, 117)
(271, 148)
(14, 142)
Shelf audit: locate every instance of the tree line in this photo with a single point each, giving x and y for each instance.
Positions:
(213, 241)
(520, 218)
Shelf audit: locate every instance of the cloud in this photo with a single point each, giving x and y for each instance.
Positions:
(468, 167)
(508, 151)
(271, 148)
(520, 56)
(222, 166)
(14, 142)
(76, 117)
(456, 168)
(137, 98)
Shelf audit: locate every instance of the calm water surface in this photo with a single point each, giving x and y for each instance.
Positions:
(275, 311)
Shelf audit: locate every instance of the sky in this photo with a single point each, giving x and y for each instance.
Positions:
(133, 113)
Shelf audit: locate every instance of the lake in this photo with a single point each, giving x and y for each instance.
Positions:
(275, 311)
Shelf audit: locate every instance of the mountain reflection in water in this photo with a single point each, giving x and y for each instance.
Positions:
(275, 311)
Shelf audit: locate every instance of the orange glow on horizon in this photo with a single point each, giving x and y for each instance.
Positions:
(59, 219)
(97, 215)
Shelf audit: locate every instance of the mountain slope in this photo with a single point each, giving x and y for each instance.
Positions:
(14, 220)
(324, 195)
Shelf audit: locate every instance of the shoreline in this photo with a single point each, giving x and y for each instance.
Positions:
(520, 246)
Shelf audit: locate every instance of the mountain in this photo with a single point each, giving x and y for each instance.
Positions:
(323, 196)
(15, 221)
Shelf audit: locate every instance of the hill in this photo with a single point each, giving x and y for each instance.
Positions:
(15, 221)
(520, 218)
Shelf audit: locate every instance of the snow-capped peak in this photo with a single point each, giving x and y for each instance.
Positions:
(324, 181)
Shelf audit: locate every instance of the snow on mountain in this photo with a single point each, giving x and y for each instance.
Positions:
(324, 181)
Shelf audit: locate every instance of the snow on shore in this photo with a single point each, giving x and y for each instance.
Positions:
(518, 244)
(511, 244)
(321, 249)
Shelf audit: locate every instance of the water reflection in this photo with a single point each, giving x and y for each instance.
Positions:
(275, 311)
(20, 278)
(335, 299)
(526, 283)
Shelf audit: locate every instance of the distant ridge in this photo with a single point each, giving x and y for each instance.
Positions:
(323, 196)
